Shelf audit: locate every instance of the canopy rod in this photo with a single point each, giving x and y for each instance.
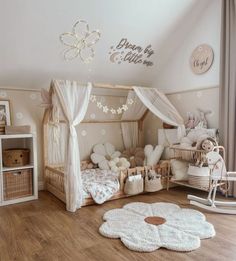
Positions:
(112, 86)
(103, 121)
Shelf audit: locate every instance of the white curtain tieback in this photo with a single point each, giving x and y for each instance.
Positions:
(73, 130)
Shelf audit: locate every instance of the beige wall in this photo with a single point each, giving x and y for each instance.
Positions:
(26, 111)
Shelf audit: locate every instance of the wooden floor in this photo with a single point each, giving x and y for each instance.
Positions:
(43, 230)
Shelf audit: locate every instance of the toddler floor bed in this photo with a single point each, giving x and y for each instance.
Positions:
(54, 180)
(66, 105)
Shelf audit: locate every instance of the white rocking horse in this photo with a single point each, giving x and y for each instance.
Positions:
(219, 176)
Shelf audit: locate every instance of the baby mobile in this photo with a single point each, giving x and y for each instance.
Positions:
(79, 43)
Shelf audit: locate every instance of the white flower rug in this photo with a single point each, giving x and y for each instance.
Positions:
(146, 227)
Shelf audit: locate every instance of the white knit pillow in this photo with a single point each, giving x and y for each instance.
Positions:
(179, 169)
(152, 156)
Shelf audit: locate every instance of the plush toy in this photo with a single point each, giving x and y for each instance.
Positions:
(103, 153)
(152, 156)
(86, 165)
(194, 138)
(179, 169)
(135, 156)
(202, 121)
(118, 164)
(192, 121)
(208, 144)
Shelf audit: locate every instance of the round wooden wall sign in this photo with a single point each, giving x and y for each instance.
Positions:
(201, 59)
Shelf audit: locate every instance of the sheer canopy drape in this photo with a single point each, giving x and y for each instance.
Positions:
(160, 106)
(130, 130)
(74, 100)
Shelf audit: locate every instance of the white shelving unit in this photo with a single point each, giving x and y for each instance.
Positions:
(19, 141)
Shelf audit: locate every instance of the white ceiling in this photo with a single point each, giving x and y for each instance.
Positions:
(31, 53)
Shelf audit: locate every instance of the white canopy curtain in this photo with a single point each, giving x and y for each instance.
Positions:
(74, 100)
(159, 105)
(130, 130)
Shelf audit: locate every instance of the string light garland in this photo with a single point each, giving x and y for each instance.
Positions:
(106, 109)
(79, 42)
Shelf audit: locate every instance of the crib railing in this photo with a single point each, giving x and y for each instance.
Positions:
(54, 177)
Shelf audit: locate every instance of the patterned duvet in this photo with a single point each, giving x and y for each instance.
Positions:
(99, 184)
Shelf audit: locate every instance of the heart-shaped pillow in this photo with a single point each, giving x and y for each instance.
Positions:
(152, 156)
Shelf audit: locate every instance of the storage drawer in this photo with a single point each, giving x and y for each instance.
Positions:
(17, 184)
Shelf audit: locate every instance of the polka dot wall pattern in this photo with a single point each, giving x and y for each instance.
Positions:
(93, 116)
(103, 132)
(33, 96)
(3, 94)
(19, 115)
(84, 133)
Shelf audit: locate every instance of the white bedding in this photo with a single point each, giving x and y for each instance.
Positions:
(99, 184)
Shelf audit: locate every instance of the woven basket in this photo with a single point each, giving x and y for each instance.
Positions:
(152, 182)
(199, 176)
(17, 184)
(133, 187)
(16, 157)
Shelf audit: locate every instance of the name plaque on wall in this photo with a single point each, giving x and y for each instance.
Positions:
(201, 59)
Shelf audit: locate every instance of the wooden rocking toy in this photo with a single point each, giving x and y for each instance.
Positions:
(219, 177)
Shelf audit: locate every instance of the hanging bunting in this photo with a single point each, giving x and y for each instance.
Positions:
(106, 109)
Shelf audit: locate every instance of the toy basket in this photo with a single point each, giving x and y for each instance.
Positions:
(152, 181)
(199, 176)
(16, 157)
(17, 184)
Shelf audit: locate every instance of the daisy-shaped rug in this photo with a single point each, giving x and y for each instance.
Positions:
(146, 227)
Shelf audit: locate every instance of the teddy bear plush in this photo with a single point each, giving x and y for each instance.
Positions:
(135, 156)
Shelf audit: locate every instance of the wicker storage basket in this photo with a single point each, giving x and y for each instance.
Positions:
(16, 157)
(199, 176)
(152, 182)
(133, 187)
(17, 184)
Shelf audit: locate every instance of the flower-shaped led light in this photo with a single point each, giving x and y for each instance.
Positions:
(80, 42)
(146, 227)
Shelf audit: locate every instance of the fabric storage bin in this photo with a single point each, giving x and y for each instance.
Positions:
(199, 176)
(152, 182)
(16, 157)
(17, 184)
(133, 185)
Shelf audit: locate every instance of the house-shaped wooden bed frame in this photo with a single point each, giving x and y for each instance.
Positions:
(54, 174)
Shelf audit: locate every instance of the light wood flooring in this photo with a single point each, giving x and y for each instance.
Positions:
(43, 230)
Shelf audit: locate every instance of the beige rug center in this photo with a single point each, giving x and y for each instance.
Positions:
(155, 220)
